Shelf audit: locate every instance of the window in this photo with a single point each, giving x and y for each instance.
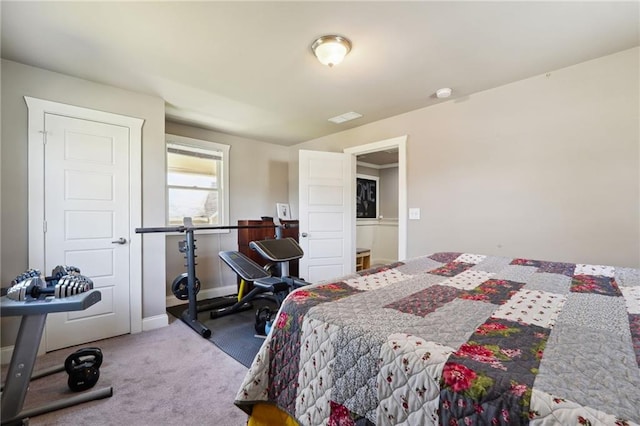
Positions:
(197, 181)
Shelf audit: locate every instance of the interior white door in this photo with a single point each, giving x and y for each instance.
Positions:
(87, 223)
(326, 207)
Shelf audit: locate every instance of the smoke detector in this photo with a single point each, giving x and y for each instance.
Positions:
(445, 92)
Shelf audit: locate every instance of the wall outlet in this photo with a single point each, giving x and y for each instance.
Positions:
(414, 213)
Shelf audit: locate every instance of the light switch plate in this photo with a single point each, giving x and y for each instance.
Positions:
(414, 213)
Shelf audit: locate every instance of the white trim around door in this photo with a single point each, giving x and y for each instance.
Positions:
(399, 142)
(37, 110)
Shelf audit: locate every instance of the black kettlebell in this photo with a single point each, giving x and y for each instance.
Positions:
(263, 316)
(83, 368)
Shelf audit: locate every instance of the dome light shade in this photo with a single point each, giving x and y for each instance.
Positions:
(331, 49)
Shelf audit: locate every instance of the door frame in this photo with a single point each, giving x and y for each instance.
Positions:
(399, 142)
(37, 108)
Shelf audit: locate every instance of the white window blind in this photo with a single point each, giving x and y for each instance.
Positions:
(197, 176)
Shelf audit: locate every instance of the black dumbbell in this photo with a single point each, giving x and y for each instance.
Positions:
(29, 273)
(60, 271)
(83, 368)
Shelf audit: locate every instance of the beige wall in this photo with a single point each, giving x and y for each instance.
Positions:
(545, 168)
(389, 193)
(18, 81)
(258, 180)
(363, 170)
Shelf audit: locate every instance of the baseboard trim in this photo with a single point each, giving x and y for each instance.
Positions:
(208, 293)
(5, 354)
(382, 261)
(157, 321)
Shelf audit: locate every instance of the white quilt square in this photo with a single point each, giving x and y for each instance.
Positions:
(605, 271)
(407, 382)
(548, 409)
(468, 279)
(631, 298)
(315, 380)
(532, 307)
(470, 258)
(377, 280)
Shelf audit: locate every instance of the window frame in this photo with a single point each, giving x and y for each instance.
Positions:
(223, 183)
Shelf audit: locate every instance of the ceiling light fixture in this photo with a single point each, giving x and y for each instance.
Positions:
(331, 49)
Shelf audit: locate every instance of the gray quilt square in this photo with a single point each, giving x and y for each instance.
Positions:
(419, 265)
(627, 277)
(551, 283)
(596, 312)
(380, 322)
(493, 264)
(447, 325)
(378, 298)
(576, 355)
(355, 369)
(517, 273)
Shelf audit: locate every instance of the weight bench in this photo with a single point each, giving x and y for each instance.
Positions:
(281, 251)
(265, 286)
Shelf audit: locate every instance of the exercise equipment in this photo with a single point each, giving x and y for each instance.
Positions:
(188, 247)
(281, 251)
(33, 288)
(65, 281)
(83, 368)
(34, 313)
(180, 286)
(265, 286)
(264, 319)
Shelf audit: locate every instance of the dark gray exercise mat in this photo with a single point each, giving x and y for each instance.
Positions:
(234, 334)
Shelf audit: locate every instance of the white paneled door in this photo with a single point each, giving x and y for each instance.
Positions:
(327, 201)
(86, 193)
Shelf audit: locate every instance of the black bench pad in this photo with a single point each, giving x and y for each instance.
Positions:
(243, 266)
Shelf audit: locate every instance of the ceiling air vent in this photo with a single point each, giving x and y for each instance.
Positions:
(345, 117)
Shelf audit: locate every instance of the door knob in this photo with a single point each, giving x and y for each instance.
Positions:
(120, 240)
(304, 235)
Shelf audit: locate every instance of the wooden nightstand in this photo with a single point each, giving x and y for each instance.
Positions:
(363, 259)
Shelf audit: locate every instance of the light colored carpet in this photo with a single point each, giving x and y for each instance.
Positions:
(169, 376)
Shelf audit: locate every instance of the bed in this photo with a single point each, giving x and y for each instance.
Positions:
(455, 339)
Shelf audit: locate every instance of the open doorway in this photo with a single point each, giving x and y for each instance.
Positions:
(377, 208)
(382, 230)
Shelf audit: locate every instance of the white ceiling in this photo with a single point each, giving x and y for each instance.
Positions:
(246, 68)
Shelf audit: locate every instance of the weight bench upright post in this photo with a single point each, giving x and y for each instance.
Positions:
(190, 315)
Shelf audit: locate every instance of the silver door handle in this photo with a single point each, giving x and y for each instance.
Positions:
(304, 235)
(120, 240)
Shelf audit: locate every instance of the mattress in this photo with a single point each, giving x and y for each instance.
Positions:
(456, 339)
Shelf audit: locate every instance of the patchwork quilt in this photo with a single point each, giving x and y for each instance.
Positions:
(457, 339)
